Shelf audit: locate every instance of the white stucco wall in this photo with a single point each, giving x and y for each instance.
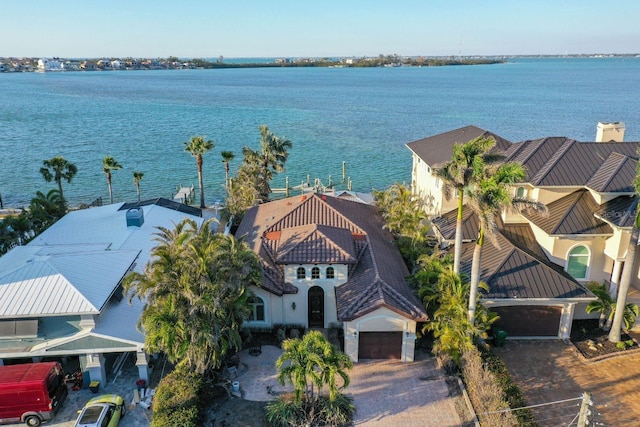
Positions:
(428, 188)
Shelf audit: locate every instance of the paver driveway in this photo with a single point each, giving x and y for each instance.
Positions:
(386, 392)
(548, 371)
(392, 393)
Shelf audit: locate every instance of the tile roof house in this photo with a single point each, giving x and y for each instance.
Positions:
(538, 272)
(61, 294)
(328, 262)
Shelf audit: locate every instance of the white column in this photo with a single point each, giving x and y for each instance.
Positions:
(408, 346)
(351, 341)
(96, 368)
(615, 278)
(566, 321)
(142, 363)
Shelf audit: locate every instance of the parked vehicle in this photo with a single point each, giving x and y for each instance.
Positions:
(31, 392)
(102, 411)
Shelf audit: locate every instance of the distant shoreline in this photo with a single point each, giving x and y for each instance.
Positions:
(57, 64)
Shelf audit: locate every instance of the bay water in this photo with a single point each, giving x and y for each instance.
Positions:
(360, 116)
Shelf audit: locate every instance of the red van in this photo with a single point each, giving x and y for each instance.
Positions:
(31, 392)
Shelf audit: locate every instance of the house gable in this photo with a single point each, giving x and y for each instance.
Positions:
(571, 215)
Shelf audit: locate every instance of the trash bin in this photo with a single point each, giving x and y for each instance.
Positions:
(499, 337)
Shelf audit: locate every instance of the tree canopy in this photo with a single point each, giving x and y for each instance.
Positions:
(195, 289)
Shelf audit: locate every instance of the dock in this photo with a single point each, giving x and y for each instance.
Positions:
(185, 194)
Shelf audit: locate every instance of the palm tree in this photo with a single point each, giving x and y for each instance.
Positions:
(137, 177)
(312, 361)
(603, 305)
(466, 164)
(452, 329)
(56, 169)
(628, 269)
(227, 156)
(110, 164)
(490, 195)
(45, 209)
(195, 290)
(197, 146)
(270, 159)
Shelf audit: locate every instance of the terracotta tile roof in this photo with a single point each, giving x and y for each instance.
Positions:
(438, 149)
(572, 214)
(620, 211)
(519, 269)
(314, 228)
(311, 244)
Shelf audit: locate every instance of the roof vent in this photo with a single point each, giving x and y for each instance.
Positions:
(135, 217)
(610, 132)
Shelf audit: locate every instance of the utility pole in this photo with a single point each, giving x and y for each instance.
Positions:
(585, 417)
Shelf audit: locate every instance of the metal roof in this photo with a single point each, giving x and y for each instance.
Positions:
(572, 214)
(438, 149)
(620, 211)
(74, 267)
(58, 284)
(518, 269)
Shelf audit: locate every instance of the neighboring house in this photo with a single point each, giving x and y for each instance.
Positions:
(61, 294)
(431, 153)
(328, 262)
(538, 273)
(50, 65)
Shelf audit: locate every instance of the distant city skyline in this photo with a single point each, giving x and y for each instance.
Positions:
(329, 28)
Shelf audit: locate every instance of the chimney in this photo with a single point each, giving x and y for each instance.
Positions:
(135, 217)
(610, 132)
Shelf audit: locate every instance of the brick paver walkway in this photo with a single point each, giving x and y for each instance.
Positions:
(551, 370)
(389, 393)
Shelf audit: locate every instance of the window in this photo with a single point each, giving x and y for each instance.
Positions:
(521, 192)
(315, 273)
(331, 274)
(257, 307)
(301, 273)
(578, 262)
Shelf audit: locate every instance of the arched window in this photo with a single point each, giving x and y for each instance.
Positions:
(301, 273)
(521, 192)
(331, 274)
(257, 308)
(578, 262)
(315, 273)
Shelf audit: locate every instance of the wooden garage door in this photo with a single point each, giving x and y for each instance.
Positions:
(380, 345)
(529, 321)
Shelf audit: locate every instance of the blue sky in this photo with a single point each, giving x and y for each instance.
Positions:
(268, 28)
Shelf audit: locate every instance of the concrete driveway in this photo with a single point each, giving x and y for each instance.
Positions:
(550, 370)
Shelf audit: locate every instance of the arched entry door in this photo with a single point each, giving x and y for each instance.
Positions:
(316, 307)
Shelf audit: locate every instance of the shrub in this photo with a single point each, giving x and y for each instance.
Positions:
(510, 390)
(286, 411)
(177, 400)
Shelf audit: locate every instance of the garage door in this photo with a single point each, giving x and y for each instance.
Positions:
(529, 321)
(380, 345)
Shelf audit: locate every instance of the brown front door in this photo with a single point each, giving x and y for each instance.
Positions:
(316, 307)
